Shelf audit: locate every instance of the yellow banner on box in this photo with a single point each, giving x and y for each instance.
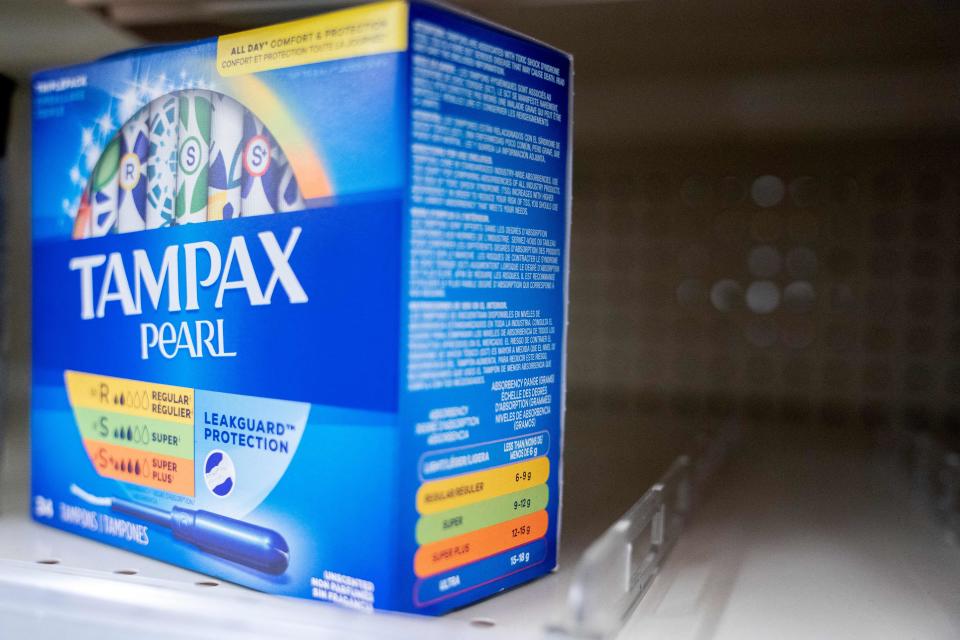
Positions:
(348, 33)
(131, 397)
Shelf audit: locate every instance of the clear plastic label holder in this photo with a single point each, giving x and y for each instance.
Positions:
(617, 569)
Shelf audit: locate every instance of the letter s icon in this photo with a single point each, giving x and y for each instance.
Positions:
(256, 156)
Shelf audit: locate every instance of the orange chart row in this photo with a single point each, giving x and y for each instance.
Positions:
(141, 467)
(444, 555)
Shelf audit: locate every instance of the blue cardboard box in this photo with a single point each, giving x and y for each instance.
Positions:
(299, 305)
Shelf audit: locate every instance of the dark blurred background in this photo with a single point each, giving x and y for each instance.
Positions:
(765, 206)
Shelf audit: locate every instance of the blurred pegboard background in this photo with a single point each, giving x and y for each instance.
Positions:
(802, 281)
(765, 198)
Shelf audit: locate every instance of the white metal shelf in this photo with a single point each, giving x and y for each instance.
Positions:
(808, 536)
(802, 536)
(112, 590)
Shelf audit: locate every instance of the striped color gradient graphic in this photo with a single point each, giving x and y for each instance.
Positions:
(187, 157)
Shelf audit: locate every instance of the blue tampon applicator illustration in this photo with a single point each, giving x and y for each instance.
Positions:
(241, 542)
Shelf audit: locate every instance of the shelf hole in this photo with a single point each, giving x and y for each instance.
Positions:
(767, 191)
(48, 561)
(482, 623)
(207, 583)
(126, 572)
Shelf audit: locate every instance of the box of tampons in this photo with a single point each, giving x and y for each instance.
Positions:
(299, 305)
